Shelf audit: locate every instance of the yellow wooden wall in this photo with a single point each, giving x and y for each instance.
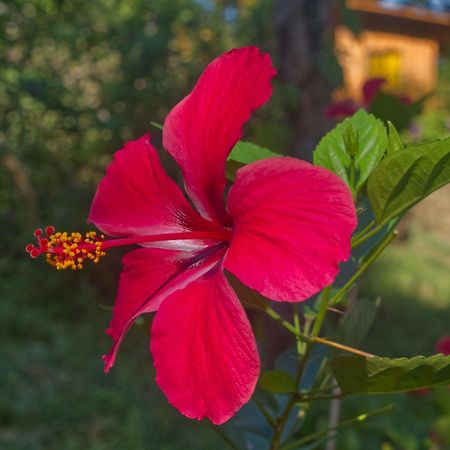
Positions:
(408, 63)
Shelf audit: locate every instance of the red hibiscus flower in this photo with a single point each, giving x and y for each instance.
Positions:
(347, 108)
(370, 89)
(443, 345)
(283, 229)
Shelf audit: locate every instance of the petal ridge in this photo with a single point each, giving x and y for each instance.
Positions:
(292, 225)
(148, 277)
(137, 197)
(201, 130)
(204, 351)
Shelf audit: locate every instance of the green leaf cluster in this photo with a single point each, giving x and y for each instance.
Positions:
(385, 375)
(358, 143)
(406, 176)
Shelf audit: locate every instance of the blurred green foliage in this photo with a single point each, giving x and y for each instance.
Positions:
(435, 121)
(80, 78)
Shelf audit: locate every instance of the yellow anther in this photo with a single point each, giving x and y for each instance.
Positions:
(69, 250)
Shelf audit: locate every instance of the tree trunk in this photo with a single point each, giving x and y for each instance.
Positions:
(301, 27)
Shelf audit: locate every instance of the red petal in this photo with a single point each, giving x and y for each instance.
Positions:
(204, 350)
(136, 196)
(443, 345)
(339, 110)
(292, 224)
(148, 277)
(371, 88)
(201, 130)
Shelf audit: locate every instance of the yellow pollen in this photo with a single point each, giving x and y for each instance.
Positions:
(69, 250)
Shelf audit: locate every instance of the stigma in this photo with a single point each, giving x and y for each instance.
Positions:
(65, 250)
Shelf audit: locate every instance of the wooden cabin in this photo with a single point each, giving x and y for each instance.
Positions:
(399, 43)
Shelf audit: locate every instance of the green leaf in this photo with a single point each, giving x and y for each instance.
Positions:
(385, 375)
(394, 141)
(358, 320)
(247, 152)
(351, 141)
(372, 142)
(277, 381)
(406, 177)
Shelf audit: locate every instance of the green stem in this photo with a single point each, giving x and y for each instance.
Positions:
(283, 322)
(297, 327)
(370, 258)
(364, 231)
(360, 238)
(156, 125)
(345, 423)
(264, 412)
(323, 308)
(345, 348)
(353, 176)
(321, 391)
(311, 340)
(313, 398)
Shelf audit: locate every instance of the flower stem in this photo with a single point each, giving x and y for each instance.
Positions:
(364, 231)
(300, 349)
(345, 348)
(323, 307)
(360, 238)
(278, 431)
(311, 339)
(311, 398)
(345, 423)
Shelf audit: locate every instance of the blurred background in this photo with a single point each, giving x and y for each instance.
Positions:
(79, 78)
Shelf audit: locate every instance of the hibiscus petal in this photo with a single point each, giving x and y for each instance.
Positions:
(137, 197)
(292, 224)
(338, 110)
(148, 277)
(204, 350)
(371, 88)
(201, 130)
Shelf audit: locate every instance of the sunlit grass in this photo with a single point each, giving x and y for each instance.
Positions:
(413, 280)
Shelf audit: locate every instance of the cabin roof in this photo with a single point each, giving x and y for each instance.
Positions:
(412, 13)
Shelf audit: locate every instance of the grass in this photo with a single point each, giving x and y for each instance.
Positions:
(412, 279)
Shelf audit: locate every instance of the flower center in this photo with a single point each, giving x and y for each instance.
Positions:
(70, 250)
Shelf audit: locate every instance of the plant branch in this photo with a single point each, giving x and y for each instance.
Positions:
(312, 339)
(345, 423)
(270, 420)
(364, 231)
(312, 398)
(360, 238)
(323, 308)
(297, 327)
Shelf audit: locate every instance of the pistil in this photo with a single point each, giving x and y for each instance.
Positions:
(70, 250)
